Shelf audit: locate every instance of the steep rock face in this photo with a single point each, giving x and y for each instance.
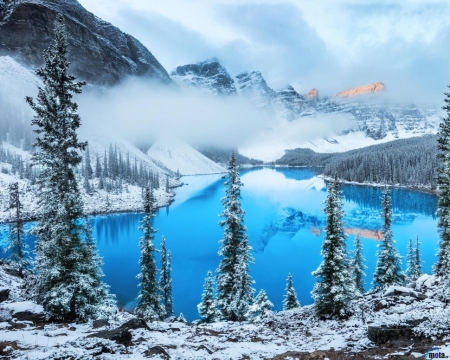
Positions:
(253, 85)
(100, 53)
(361, 90)
(290, 103)
(208, 76)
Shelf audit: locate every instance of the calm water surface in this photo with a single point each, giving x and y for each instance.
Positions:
(284, 218)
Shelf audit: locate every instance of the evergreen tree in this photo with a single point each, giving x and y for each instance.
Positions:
(261, 306)
(181, 318)
(388, 269)
(167, 184)
(334, 287)
(16, 245)
(418, 267)
(88, 172)
(165, 280)
(357, 265)
(94, 288)
(62, 256)
(414, 269)
(207, 308)
(234, 291)
(442, 266)
(410, 261)
(98, 167)
(290, 299)
(148, 306)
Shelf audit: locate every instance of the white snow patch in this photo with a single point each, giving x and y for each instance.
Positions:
(178, 156)
(22, 306)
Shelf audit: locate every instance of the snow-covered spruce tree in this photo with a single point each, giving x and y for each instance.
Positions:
(61, 254)
(261, 306)
(357, 265)
(165, 280)
(414, 269)
(16, 245)
(148, 305)
(94, 287)
(207, 308)
(234, 290)
(418, 267)
(410, 261)
(388, 269)
(442, 266)
(290, 299)
(334, 287)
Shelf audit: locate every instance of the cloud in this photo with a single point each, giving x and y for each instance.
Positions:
(141, 112)
(330, 45)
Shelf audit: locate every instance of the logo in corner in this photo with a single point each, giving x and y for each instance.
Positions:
(435, 353)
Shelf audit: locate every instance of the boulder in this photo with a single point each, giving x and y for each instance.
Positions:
(4, 294)
(157, 350)
(100, 323)
(122, 334)
(25, 311)
(134, 324)
(403, 291)
(383, 334)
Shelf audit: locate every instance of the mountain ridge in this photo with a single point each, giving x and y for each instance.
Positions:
(100, 52)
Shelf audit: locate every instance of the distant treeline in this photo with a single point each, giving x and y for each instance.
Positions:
(222, 156)
(409, 162)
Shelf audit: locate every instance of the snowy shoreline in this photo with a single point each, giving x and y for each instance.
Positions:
(398, 186)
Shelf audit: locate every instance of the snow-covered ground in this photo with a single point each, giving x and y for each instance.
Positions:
(178, 156)
(284, 335)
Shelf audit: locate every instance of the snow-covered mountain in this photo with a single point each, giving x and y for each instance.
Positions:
(180, 157)
(372, 117)
(208, 76)
(100, 52)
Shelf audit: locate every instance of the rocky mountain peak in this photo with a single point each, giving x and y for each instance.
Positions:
(254, 85)
(209, 76)
(312, 94)
(100, 52)
(361, 90)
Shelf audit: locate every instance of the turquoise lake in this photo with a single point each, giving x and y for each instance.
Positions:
(284, 219)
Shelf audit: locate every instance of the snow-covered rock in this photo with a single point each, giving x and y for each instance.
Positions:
(22, 306)
(178, 156)
(208, 76)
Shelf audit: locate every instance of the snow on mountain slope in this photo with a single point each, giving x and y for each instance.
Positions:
(16, 81)
(178, 156)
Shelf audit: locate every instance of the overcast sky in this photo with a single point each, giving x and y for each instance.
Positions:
(330, 45)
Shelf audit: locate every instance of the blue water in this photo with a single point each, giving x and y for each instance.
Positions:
(284, 218)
